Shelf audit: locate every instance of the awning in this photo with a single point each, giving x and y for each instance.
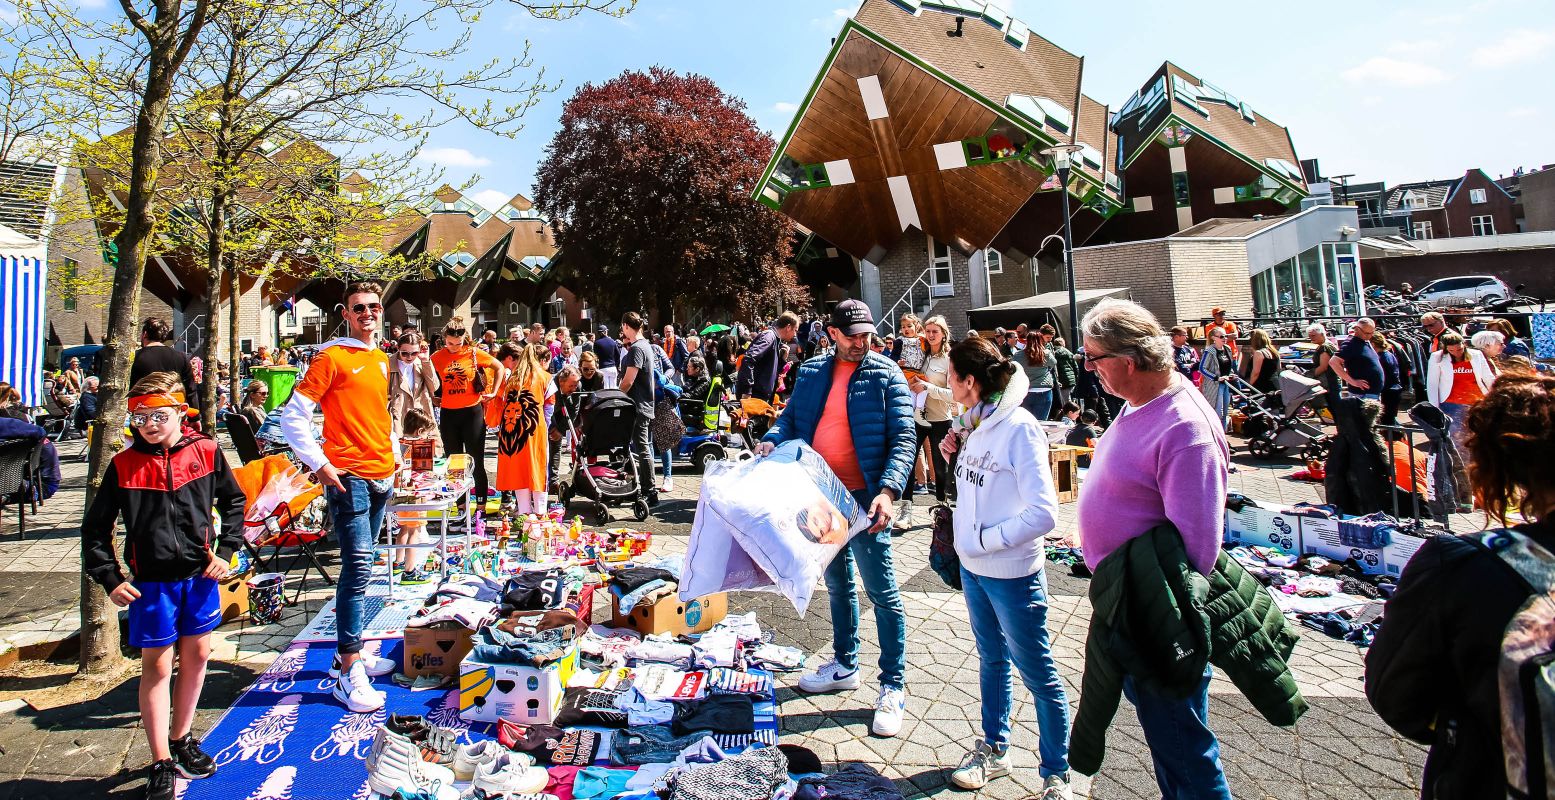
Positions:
(1049, 307)
(23, 283)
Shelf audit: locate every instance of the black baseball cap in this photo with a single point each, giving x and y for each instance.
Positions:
(604, 330)
(852, 317)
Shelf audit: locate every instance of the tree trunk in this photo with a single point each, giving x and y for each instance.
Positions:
(234, 389)
(169, 45)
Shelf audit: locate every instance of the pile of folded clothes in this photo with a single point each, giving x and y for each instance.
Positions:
(644, 584)
(1335, 597)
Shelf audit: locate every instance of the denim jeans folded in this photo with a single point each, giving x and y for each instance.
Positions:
(496, 646)
(648, 745)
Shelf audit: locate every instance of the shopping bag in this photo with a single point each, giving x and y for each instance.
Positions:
(769, 524)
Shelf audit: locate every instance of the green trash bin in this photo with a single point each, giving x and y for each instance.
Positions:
(279, 380)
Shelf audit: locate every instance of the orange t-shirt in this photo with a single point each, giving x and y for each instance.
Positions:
(833, 436)
(1465, 389)
(457, 373)
(351, 386)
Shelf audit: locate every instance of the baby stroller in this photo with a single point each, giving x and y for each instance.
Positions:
(603, 471)
(1273, 422)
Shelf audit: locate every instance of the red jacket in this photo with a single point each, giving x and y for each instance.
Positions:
(166, 497)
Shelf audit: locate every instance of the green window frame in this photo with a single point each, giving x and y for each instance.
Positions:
(67, 298)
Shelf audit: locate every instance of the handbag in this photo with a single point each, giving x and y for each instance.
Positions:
(942, 546)
(478, 382)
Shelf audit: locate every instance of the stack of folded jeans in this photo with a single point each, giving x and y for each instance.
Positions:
(494, 645)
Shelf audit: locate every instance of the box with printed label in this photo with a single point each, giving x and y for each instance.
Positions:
(672, 615)
(1401, 547)
(1264, 526)
(1321, 536)
(436, 649)
(522, 694)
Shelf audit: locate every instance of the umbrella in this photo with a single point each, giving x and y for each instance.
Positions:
(714, 328)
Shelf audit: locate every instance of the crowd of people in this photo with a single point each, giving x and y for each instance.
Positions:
(919, 411)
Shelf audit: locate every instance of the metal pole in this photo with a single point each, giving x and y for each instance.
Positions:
(1074, 318)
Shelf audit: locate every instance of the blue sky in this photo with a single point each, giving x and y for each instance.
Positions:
(1385, 90)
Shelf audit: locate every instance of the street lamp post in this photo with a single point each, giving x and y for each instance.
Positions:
(1061, 154)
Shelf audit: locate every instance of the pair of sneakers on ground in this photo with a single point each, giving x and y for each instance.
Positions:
(188, 760)
(412, 760)
(979, 767)
(354, 686)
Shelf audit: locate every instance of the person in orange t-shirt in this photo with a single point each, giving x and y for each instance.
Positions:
(853, 406)
(349, 381)
(470, 377)
(522, 453)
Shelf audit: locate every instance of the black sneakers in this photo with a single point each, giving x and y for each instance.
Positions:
(190, 760)
(161, 781)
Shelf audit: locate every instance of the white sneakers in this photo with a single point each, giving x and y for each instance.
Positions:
(904, 515)
(669, 485)
(355, 689)
(376, 666)
(472, 756)
(888, 711)
(980, 766)
(508, 774)
(394, 764)
(1056, 788)
(829, 677)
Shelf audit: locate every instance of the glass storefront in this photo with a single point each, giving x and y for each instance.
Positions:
(1326, 278)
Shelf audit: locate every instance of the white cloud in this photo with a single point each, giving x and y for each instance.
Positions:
(1416, 48)
(1518, 47)
(786, 108)
(833, 22)
(453, 157)
(1395, 72)
(491, 199)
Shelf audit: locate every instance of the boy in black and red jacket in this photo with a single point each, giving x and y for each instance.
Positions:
(165, 485)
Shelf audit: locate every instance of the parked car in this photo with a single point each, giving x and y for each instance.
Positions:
(1469, 290)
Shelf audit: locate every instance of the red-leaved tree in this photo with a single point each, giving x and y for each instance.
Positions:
(649, 182)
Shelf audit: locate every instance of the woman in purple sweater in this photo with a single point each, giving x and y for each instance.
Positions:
(1163, 460)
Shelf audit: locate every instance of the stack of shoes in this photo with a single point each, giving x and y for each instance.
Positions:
(397, 767)
(508, 775)
(438, 745)
(472, 757)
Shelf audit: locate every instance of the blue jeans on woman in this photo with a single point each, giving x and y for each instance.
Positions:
(1009, 622)
(357, 514)
(872, 552)
(1184, 749)
(1038, 403)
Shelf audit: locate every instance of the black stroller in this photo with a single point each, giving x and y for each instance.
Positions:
(603, 471)
(1274, 422)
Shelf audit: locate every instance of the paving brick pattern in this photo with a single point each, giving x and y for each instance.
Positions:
(1340, 749)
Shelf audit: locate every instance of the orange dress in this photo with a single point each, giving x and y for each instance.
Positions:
(522, 440)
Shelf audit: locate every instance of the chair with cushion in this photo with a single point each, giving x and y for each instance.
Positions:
(243, 440)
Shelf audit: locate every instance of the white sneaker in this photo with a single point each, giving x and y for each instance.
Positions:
(355, 689)
(669, 485)
(888, 711)
(509, 774)
(829, 677)
(980, 766)
(470, 757)
(395, 763)
(1056, 787)
(377, 666)
(904, 516)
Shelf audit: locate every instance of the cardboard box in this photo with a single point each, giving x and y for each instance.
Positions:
(672, 615)
(1264, 526)
(1321, 536)
(1400, 549)
(234, 596)
(525, 695)
(1061, 459)
(436, 650)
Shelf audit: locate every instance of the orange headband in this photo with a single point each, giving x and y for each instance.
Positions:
(164, 400)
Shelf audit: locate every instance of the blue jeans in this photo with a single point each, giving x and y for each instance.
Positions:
(1038, 403)
(872, 551)
(357, 514)
(1184, 749)
(1009, 622)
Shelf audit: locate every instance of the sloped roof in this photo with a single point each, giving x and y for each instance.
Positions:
(1236, 124)
(1432, 193)
(24, 195)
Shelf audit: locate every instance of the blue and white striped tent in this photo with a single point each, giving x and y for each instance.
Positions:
(23, 289)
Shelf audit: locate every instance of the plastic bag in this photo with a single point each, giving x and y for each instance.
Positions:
(769, 524)
(280, 490)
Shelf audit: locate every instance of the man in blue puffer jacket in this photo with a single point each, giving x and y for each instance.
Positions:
(853, 406)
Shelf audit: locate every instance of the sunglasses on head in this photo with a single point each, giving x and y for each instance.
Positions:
(363, 308)
(454, 332)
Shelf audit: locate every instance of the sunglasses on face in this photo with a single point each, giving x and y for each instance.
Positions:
(409, 353)
(153, 418)
(363, 308)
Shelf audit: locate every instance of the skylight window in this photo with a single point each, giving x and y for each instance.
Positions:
(1283, 167)
(1090, 156)
(1017, 34)
(1040, 110)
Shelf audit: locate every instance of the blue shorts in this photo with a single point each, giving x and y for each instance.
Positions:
(168, 610)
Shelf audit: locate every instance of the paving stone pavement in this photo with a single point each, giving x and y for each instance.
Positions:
(1340, 749)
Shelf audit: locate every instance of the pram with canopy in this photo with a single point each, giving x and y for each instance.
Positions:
(603, 471)
(1274, 422)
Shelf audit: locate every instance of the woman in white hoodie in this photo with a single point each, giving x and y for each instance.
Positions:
(1006, 506)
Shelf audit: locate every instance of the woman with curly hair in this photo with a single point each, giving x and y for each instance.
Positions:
(1432, 672)
(518, 414)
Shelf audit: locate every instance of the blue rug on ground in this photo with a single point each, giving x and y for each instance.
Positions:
(287, 738)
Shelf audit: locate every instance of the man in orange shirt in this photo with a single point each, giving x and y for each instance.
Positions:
(1218, 320)
(349, 382)
(853, 406)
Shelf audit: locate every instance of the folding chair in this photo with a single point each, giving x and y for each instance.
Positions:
(18, 466)
(280, 532)
(243, 440)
